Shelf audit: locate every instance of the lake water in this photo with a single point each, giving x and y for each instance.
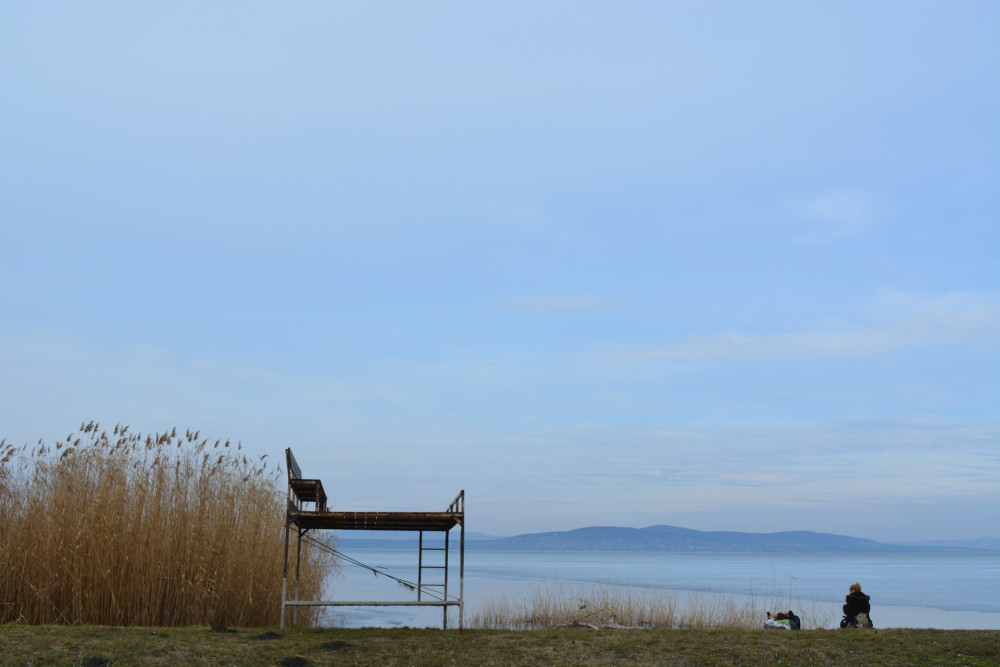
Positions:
(947, 591)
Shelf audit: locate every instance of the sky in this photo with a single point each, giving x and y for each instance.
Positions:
(721, 265)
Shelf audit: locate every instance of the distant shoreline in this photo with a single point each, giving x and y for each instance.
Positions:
(667, 539)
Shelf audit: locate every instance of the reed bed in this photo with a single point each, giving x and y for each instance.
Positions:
(165, 530)
(629, 607)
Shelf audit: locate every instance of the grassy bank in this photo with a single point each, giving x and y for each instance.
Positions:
(97, 645)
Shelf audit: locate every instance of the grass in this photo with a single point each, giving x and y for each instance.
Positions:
(605, 606)
(120, 529)
(92, 645)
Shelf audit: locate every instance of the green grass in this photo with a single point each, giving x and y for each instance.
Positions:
(83, 645)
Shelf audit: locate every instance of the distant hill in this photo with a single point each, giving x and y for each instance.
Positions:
(664, 538)
(674, 539)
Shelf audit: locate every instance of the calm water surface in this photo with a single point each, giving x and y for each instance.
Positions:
(908, 590)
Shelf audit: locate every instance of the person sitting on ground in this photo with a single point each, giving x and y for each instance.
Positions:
(857, 609)
(788, 619)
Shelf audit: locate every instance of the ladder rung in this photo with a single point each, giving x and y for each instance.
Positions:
(432, 567)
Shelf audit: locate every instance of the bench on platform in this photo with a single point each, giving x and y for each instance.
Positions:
(301, 489)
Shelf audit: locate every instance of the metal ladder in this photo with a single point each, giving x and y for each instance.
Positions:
(440, 590)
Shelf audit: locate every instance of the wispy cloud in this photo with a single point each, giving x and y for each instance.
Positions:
(934, 327)
(739, 475)
(564, 304)
(838, 214)
(888, 302)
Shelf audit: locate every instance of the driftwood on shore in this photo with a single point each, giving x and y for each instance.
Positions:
(606, 626)
(578, 623)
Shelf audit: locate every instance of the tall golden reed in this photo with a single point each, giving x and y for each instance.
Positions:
(162, 530)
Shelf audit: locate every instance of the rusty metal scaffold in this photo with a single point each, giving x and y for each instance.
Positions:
(303, 491)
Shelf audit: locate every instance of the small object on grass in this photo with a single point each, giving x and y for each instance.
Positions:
(97, 661)
(268, 635)
(221, 628)
(336, 646)
(294, 661)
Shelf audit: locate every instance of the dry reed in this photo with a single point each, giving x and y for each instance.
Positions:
(162, 530)
(607, 606)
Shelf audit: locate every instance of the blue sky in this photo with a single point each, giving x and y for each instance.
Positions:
(721, 265)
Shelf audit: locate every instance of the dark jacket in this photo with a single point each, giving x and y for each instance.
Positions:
(857, 602)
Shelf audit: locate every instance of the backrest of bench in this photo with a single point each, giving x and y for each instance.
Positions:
(302, 490)
(294, 472)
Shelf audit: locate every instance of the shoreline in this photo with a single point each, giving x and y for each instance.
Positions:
(527, 573)
(478, 593)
